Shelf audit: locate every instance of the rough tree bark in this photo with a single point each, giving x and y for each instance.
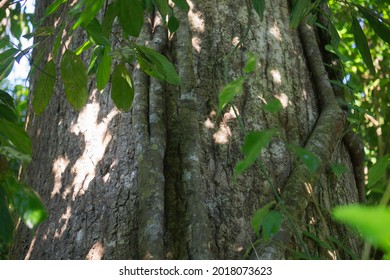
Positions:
(156, 182)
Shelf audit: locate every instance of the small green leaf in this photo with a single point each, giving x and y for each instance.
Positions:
(109, 18)
(16, 135)
(26, 202)
(41, 31)
(53, 7)
(122, 89)
(6, 99)
(334, 35)
(254, 143)
(362, 44)
(373, 222)
(173, 24)
(378, 170)
(57, 42)
(299, 11)
(44, 88)
(338, 169)
(95, 31)
(8, 113)
(96, 58)
(157, 65)
(271, 224)
(182, 5)
(272, 106)
(91, 8)
(309, 159)
(87, 44)
(251, 62)
(380, 28)
(259, 216)
(12, 153)
(131, 16)
(75, 79)
(231, 90)
(259, 6)
(7, 59)
(104, 69)
(163, 7)
(320, 242)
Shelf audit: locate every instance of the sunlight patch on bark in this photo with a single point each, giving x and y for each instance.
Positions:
(283, 98)
(275, 32)
(195, 18)
(276, 76)
(96, 138)
(63, 220)
(59, 167)
(96, 252)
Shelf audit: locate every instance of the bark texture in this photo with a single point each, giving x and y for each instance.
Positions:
(156, 182)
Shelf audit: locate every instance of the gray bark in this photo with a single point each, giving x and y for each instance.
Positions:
(156, 182)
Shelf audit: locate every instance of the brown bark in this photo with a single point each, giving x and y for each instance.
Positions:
(156, 182)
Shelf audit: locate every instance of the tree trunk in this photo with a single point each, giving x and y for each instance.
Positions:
(157, 182)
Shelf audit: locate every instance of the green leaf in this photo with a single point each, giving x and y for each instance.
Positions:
(299, 11)
(173, 24)
(378, 170)
(259, 6)
(12, 153)
(6, 99)
(26, 202)
(91, 8)
(57, 42)
(40, 31)
(104, 69)
(182, 5)
(7, 59)
(272, 106)
(251, 62)
(373, 222)
(16, 135)
(382, 30)
(259, 216)
(338, 169)
(75, 79)
(96, 58)
(231, 90)
(109, 18)
(362, 44)
(8, 113)
(44, 88)
(131, 16)
(157, 65)
(53, 7)
(309, 159)
(271, 224)
(122, 88)
(254, 143)
(7, 225)
(95, 31)
(163, 7)
(320, 242)
(334, 35)
(87, 44)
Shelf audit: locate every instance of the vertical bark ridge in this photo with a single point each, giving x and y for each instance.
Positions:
(151, 160)
(198, 227)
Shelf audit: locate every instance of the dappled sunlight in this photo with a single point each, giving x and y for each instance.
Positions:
(277, 78)
(59, 167)
(283, 98)
(64, 220)
(96, 139)
(31, 248)
(195, 18)
(197, 24)
(224, 132)
(275, 32)
(96, 252)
